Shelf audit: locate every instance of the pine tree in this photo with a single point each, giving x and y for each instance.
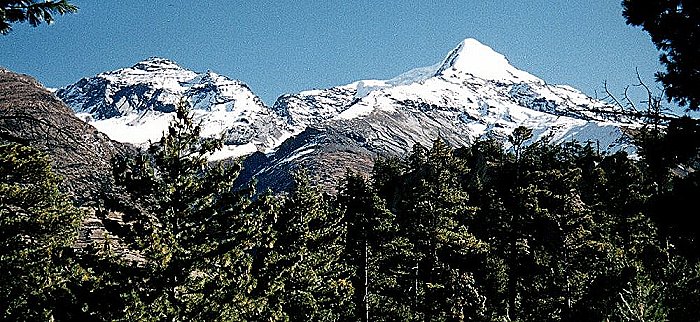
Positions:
(38, 228)
(673, 28)
(13, 11)
(198, 235)
(302, 271)
(433, 215)
(547, 243)
(368, 227)
(562, 237)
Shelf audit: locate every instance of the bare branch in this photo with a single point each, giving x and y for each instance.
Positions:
(641, 83)
(630, 104)
(610, 97)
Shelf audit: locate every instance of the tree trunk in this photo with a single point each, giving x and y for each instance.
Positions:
(512, 285)
(365, 289)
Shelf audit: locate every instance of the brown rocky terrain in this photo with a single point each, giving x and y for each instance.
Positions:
(30, 114)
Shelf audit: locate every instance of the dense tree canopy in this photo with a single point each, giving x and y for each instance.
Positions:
(32, 11)
(674, 28)
(499, 230)
(198, 234)
(38, 226)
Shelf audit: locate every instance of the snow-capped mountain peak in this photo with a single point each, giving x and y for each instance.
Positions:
(472, 93)
(474, 58)
(135, 105)
(158, 72)
(156, 63)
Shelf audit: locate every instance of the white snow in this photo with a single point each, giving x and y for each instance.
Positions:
(221, 105)
(140, 130)
(273, 143)
(414, 75)
(479, 60)
(233, 151)
(364, 87)
(157, 72)
(132, 128)
(470, 62)
(300, 152)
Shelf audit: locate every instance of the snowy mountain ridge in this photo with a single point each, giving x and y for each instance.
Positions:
(135, 105)
(473, 92)
(474, 87)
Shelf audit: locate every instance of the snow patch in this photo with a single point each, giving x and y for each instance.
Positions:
(132, 128)
(300, 152)
(355, 111)
(233, 151)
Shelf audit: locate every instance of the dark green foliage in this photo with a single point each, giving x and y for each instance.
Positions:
(38, 226)
(434, 215)
(34, 12)
(198, 235)
(301, 271)
(674, 29)
(368, 227)
(681, 296)
(554, 216)
(433, 255)
(671, 157)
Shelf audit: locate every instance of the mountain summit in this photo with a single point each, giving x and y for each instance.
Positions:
(479, 60)
(157, 64)
(473, 93)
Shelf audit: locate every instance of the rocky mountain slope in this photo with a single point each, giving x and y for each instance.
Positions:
(473, 93)
(32, 115)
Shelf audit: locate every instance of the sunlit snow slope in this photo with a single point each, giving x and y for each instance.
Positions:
(473, 93)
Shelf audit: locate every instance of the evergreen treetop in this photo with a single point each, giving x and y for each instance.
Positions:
(32, 11)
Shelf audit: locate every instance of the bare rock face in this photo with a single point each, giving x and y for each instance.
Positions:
(107, 228)
(325, 154)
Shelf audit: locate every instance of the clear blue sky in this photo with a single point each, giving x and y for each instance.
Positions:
(284, 46)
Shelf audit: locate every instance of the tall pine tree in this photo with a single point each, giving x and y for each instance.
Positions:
(300, 270)
(368, 227)
(198, 235)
